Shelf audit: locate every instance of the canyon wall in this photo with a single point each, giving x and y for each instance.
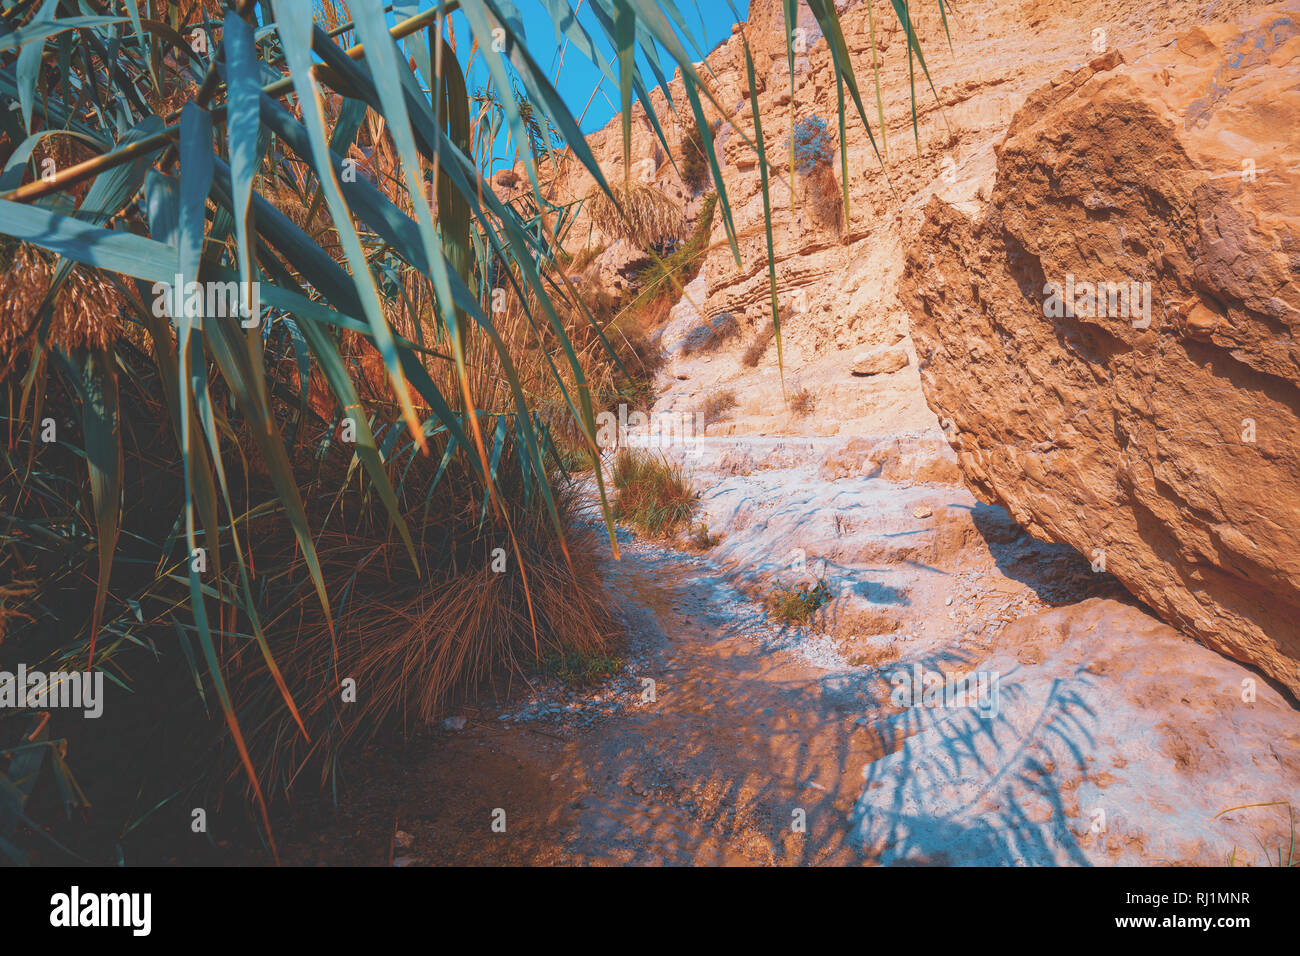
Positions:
(1147, 147)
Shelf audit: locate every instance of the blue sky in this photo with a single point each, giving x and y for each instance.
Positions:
(709, 21)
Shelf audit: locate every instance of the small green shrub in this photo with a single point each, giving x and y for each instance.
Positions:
(813, 149)
(701, 539)
(577, 669)
(798, 605)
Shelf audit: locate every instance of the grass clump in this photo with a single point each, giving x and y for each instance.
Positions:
(695, 164)
(798, 605)
(654, 495)
(802, 402)
(717, 405)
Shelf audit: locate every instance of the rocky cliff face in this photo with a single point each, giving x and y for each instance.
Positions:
(1111, 341)
(837, 280)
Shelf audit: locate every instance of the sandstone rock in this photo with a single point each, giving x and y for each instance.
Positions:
(904, 460)
(1202, 321)
(1156, 427)
(879, 361)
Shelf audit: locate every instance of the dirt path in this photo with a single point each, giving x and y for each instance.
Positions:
(743, 731)
(754, 747)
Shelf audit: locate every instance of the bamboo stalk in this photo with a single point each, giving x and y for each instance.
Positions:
(93, 167)
(209, 87)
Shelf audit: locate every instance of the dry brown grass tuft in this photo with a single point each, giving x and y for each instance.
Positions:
(802, 402)
(416, 646)
(701, 539)
(823, 196)
(717, 405)
(649, 219)
(756, 349)
(694, 162)
(86, 308)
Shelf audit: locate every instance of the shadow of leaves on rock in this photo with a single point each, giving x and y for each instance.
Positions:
(963, 789)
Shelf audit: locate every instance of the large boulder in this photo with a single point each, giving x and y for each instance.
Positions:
(1111, 343)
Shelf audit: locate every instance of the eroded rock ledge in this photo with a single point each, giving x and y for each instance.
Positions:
(1168, 449)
